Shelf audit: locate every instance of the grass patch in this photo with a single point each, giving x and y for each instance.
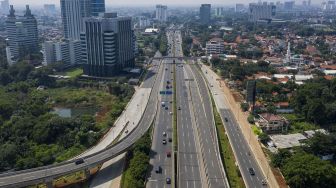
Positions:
(299, 127)
(226, 152)
(74, 72)
(256, 130)
(70, 179)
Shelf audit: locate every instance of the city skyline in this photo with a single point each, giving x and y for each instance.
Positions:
(153, 2)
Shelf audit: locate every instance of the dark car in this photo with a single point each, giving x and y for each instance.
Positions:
(168, 153)
(158, 169)
(79, 161)
(179, 108)
(166, 108)
(251, 171)
(168, 180)
(226, 119)
(170, 139)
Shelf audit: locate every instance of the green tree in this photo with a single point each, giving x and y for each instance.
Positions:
(306, 170)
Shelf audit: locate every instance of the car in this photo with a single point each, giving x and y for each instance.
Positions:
(168, 153)
(226, 119)
(170, 139)
(79, 161)
(166, 108)
(164, 134)
(264, 182)
(126, 131)
(171, 113)
(251, 171)
(168, 180)
(158, 169)
(164, 142)
(179, 108)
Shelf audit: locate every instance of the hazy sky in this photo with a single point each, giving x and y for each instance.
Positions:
(153, 2)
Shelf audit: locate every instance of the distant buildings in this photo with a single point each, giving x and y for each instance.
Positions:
(215, 46)
(143, 22)
(261, 11)
(49, 8)
(4, 6)
(329, 5)
(219, 11)
(108, 45)
(289, 5)
(161, 13)
(205, 13)
(240, 8)
(22, 35)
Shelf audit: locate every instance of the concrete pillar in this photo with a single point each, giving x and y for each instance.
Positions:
(49, 184)
(87, 173)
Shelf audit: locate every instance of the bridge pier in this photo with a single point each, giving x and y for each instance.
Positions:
(87, 173)
(49, 184)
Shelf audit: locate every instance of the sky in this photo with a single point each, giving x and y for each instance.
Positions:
(152, 2)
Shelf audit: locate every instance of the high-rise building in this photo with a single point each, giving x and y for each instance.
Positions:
(73, 14)
(239, 7)
(109, 45)
(219, 11)
(22, 35)
(97, 7)
(161, 13)
(4, 6)
(261, 11)
(205, 13)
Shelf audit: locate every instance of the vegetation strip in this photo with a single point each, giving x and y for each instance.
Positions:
(175, 126)
(137, 163)
(226, 153)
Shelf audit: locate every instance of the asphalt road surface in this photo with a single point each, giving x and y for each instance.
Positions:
(163, 124)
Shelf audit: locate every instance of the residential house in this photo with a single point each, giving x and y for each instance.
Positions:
(272, 123)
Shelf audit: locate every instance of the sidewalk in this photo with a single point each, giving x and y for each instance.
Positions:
(222, 96)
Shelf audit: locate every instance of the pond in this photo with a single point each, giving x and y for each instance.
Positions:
(74, 112)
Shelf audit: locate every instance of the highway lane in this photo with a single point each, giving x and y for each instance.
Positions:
(163, 123)
(238, 142)
(189, 172)
(213, 167)
(38, 175)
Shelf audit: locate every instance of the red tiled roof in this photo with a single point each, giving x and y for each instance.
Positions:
(271, 117)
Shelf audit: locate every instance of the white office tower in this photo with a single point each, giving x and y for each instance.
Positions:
(66, 51)
(109, 45)
(261, 11)
(22, 35)
(161, 13)
(143, 22)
